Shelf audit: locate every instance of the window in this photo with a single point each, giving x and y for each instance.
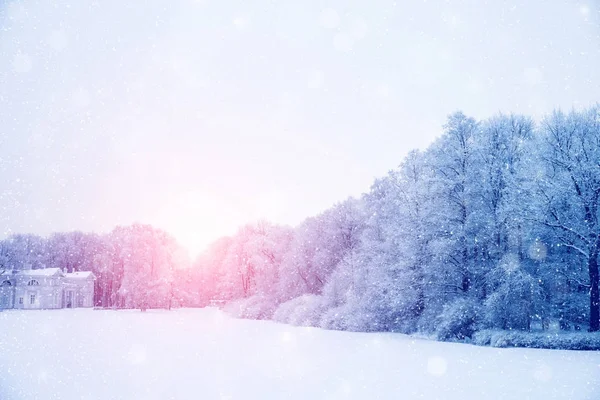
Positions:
(20, 300)
(32, 299)
(33, 282)
(69, 299)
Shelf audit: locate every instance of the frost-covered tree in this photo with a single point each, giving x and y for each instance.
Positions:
(318, 246)
(502, 146)
(72, 251)
(22, 251)
(570, 190)
(250, 264)
(513, 295)
(453, 161)
(147, 257)
(208, 280)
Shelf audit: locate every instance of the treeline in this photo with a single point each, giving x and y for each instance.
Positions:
(494, 226)
(136, 266)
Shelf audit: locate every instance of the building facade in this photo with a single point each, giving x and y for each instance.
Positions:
(47, 288)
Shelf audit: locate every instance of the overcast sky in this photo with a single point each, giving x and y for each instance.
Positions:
(199, 116)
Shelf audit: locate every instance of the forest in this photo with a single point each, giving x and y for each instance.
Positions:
(495, 226)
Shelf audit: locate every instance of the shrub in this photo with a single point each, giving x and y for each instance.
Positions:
(510, 306)
(538, 340)
(305, 310)
(458, 320)
(335, 319)
(255, 307)
(361, 315)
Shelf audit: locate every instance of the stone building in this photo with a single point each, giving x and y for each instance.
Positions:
(46, 288)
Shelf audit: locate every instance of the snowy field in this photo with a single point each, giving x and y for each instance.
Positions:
(203, 354)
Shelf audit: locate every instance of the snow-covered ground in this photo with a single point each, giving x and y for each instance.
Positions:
(203, 354)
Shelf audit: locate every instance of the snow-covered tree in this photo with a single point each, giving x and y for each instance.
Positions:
(22, 251)
(453, 161)
(512, 299)
(318, 246)
(570, 190)
(147, 257)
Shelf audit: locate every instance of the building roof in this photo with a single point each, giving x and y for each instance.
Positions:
(41, 272)
(80, 274)
(45, 272)
(34, 272)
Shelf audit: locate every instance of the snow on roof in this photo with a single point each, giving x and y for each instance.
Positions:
(47, 272)
(40, 272)
(79, 274)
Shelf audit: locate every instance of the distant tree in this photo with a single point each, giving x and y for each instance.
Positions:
(23, 251)
(207, 279)
(147, 256)
(318, 246)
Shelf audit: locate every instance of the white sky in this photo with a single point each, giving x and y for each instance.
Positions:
(199, 116)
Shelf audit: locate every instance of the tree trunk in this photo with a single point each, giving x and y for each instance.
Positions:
(466, 278)
(594, 295)
(466, 283)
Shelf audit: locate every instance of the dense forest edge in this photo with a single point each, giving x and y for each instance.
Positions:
(491, 236)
